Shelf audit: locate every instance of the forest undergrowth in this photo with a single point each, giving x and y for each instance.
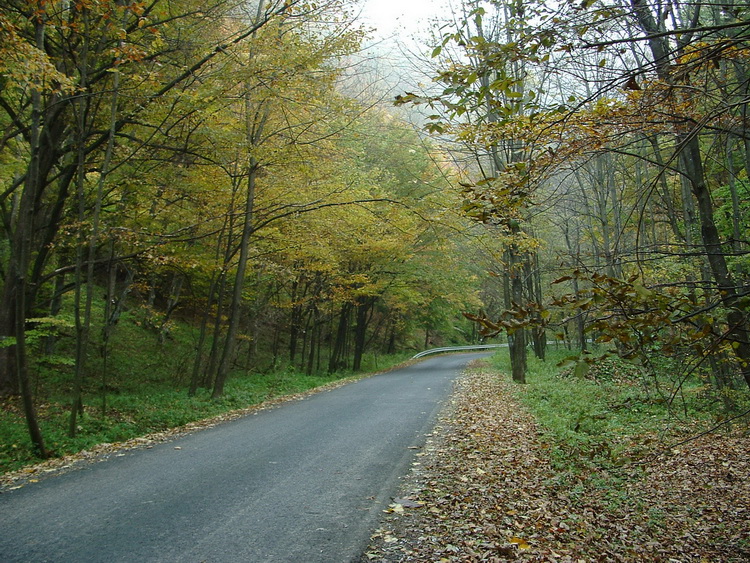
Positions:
(75, 456)
(603, 478)
(145, 399)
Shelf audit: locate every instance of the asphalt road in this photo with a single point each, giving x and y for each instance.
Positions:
(303, 482)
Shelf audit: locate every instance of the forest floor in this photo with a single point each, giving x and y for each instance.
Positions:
(486, 488)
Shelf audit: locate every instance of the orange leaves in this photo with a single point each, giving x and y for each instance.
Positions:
(26, 65)
(138, 8)
(129, 53)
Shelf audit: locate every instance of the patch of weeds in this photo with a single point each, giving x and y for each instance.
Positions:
(14, 450)
(591, 423)
(655, 518)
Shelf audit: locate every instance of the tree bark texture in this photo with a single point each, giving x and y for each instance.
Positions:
(692, 168)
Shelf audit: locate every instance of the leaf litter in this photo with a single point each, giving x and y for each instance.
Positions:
(485, 489)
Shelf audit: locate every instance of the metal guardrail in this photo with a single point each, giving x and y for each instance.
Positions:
(457, 349)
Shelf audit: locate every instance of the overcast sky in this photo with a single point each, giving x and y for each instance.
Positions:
(398, 52)
(403, 18)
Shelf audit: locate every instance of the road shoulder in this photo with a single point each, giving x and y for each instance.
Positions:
(484, 489)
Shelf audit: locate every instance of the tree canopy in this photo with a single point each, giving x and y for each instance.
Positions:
(615, 135)
(198, 161)
(583, 173)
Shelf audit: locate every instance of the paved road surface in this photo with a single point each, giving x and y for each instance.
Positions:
(305, 482)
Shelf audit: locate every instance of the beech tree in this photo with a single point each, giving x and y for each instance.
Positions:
(59, 63)
(486, 85)
(636, 104)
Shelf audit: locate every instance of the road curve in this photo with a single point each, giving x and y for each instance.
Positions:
(304, 482)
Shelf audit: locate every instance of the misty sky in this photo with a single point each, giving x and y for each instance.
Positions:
(401, 17)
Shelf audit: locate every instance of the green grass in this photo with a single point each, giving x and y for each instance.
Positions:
(602, 429)
(136, 412)
(610, 416)
(145, 391)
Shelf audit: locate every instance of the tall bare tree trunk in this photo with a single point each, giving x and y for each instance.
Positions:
(235, 305)
(534, 291)
(363, 309)
(517, 338)
(83, 325)
(20, 260)
(82, 316)
(338, 352)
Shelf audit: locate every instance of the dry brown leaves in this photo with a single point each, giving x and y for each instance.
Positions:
(483, 489)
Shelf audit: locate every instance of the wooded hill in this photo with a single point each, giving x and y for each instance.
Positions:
(165, 162)
(196, 162)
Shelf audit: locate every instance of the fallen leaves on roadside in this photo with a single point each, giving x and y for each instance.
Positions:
(491, 494)
(408, 503)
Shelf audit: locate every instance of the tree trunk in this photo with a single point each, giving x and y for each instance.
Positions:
(295, 321)
(178, 279)
(20, 258)
(392, 327)
(534, 290)
(8, 368)
(737, 234)
(112, 309)
(82, 316)
(516, 338)
(314, 337)
(209, 374)
(691, 167)
(738, 332)
(337, 361)
(83, 325)
(202, 332)
(360, 331)
(239, 283)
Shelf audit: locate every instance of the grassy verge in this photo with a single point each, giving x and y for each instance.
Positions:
(145, 391)
(130, 414)
(612, 417)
